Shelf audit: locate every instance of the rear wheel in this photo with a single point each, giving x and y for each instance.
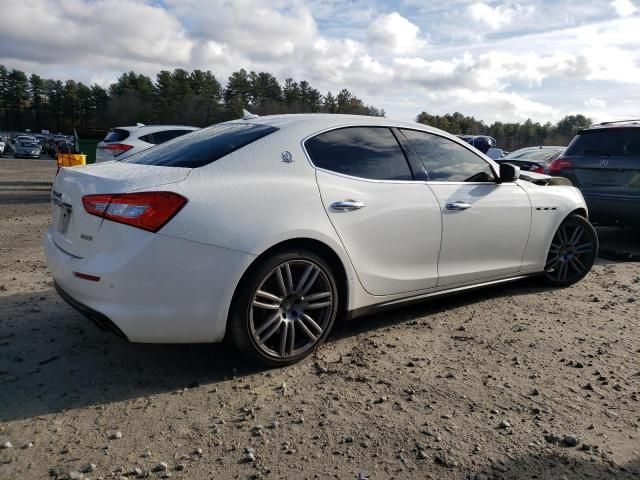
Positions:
(285, 308)
(573, 250)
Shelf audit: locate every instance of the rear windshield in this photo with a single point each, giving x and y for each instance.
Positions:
(606, 141)
(116, 135)
(202, 146)
(532, 155)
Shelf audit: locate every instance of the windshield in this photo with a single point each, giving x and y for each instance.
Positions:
(26, 143)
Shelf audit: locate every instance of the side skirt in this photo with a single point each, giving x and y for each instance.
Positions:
(388, 305)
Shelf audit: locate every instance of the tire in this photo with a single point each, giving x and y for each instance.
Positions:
(573, 251)
(284, 308)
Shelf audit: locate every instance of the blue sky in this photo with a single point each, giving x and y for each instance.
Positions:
(496, 60)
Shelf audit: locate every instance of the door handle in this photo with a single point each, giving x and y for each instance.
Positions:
(347, 205)
(457, 206)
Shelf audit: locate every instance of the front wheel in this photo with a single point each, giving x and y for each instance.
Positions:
(572, 253)
(285, 308)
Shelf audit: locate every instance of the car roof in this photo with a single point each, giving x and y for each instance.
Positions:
(310, 124)
(323, 121)
(541, 147)
(152, 128)
(633, 123)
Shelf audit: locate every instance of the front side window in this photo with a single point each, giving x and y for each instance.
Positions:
(364, 152)
(202, 146)
(447, 161)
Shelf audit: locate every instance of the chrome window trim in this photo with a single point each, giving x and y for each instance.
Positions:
(363, 179)
(492, 165)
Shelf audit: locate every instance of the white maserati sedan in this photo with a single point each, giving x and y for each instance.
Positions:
(265, 230)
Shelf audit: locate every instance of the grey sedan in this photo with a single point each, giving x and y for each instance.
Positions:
(27, 149)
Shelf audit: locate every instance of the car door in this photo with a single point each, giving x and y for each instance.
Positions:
(485, 224)
(388, 223)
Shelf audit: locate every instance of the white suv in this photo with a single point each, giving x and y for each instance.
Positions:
(122, 142)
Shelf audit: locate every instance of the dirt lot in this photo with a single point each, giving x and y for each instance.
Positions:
(482, 385)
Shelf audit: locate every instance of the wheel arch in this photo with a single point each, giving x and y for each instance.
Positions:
(317, 246)
(580, 211)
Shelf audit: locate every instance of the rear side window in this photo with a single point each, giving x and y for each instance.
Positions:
(446, 161)
(162, 136)
(147, 138)
(116, 135)
(606, 141)
(166, 135)
(365, 152)
(203, 146)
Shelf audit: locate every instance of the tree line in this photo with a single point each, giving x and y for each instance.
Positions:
(198, 98)
(178, 97)
(510, 135)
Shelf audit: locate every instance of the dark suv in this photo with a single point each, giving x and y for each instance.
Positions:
(603, 161)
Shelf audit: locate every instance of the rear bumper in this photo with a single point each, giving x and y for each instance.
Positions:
(96, 317)
(165, 290)
(609, 210)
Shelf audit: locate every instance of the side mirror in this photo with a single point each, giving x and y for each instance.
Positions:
(509, 173)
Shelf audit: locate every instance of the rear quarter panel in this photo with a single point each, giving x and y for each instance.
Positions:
(251, 200)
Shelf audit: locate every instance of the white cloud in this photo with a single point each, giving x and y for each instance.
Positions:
(497, 69)
(92, 32)
(252, 29)
(519, 64)
(624, 8)
(500, 103)
(595, 103)
(613, 64)
(395, 33)
(498, 17)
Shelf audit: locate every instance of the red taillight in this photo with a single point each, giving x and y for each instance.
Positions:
(538, 169)
(559, 164)
(147, 210)
(118, 148)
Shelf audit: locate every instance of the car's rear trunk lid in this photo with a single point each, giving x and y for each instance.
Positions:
(606, 161)
(74, 230)
(610, 176)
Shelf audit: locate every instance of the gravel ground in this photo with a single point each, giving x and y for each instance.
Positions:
(511, 382)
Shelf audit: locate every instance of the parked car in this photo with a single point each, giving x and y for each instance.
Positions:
(533, 159)
(63, 147)
(265, 230)
(603, 161)
(481, 142)
(122, 142)
(26, 148)
(2, 146)
(29, 138)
